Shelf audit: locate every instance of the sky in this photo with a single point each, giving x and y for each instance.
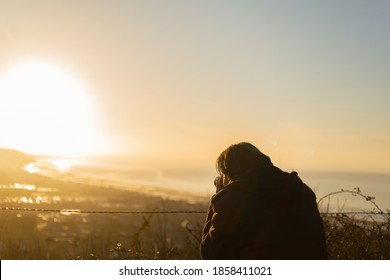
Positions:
(307, 82)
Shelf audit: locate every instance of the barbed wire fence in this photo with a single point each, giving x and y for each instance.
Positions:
(76, 211)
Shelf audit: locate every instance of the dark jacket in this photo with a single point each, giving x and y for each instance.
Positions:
(269, 214)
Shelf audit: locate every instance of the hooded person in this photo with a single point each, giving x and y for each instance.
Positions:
(260, 211)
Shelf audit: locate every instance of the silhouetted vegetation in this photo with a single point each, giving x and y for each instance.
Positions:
(358, 236)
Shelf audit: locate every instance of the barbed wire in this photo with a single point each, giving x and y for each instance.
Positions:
(77, 211)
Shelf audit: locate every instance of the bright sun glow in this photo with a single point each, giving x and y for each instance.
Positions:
(45, 110)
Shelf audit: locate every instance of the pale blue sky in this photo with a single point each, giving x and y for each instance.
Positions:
(306, 81)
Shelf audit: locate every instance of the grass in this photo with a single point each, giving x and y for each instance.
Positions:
(151, 239)
(357, 236)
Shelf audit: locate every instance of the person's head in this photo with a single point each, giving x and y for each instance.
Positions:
(238, 159)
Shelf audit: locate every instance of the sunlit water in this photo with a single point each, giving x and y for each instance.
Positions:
(191, 181)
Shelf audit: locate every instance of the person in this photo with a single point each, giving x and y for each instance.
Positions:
(260, 211)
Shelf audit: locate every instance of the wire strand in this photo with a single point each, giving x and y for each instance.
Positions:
(76, 211)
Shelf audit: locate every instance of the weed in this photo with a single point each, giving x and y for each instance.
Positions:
(362, 236)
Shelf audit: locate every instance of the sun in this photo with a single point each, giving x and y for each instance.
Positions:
(45, 110)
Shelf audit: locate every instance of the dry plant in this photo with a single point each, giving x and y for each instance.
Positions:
(357, 235)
